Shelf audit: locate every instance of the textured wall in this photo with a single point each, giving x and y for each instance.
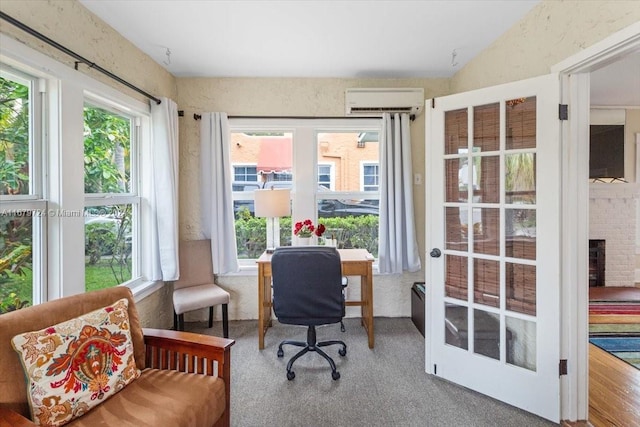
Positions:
(553, 31)
(76, 28)
(289, 97)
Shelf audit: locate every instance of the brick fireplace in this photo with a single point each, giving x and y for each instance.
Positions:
(612, 218)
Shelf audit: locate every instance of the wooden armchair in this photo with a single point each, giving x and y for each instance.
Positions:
(165, 357)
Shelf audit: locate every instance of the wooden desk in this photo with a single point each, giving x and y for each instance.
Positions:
(355, 262)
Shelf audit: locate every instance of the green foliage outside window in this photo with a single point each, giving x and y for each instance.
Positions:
(351, 232)
(15, 230)
(107, 144)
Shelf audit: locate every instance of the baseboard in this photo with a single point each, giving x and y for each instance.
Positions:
(581, 423)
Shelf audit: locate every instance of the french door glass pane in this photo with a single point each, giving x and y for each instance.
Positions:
(456, 228)
(486, 231)
(521, 343)
(16, 260)
(456, 131)
(520, 179)
(456, 326)
(455, 180)
(486, 282)
(520, 123)
(488, 171)
(520, 233)
(521, 288)
(486, 334)
(456, 279)
(486, 127)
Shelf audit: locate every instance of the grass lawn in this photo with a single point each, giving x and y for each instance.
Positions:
(98, 276)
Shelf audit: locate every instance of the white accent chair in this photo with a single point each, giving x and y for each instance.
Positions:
(196, 287)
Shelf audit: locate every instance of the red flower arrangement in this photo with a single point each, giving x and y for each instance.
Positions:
(306, 229)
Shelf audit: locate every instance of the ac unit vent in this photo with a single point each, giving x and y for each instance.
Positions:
(375, 101)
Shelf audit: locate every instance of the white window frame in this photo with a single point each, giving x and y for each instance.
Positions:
(132, 196)
(64, 103)
(35, 201)
(244, 165)
(332, 174)
(363, 164)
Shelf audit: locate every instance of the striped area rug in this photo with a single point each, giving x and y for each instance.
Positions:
(615, 328)
(626, 348)
(615, 308)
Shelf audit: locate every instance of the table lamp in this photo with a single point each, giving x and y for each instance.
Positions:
(272, 204)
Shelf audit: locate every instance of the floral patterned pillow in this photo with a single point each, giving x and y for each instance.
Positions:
(75, 365)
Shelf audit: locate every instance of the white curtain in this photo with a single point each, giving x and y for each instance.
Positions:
(164, 191)
(398, 246)
(218, 221)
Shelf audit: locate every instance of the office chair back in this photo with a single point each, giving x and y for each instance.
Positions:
(307, 285)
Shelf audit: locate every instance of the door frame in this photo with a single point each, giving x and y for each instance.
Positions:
(574, 298)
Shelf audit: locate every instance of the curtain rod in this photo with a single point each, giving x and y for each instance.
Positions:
(196, 116)
(79, 59)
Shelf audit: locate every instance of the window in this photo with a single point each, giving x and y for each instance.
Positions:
(319, 160)
(349, 210)
(325, 176)
(242, 174)
(73, 184)
(111, 201)
(370, 173)
(23, 212)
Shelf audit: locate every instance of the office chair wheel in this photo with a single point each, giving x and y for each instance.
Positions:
(291, 375)
(342, 352)
(335, 375)
(280, 352)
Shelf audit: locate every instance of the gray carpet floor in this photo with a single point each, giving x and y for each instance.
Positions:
(384, 386)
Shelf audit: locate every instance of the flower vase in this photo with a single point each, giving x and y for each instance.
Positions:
(304, 241)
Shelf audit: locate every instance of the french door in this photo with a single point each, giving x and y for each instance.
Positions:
(493, 237)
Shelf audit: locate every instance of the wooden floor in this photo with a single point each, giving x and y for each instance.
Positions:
(614, 386)
(611, 293)
(614, 391)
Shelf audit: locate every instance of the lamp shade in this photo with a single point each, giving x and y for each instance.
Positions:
(273, 203)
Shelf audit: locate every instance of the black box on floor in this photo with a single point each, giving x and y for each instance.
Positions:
(417, 305)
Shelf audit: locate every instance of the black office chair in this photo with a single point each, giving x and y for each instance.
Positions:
(307, 290)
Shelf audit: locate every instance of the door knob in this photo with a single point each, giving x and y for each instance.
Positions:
(435, 253)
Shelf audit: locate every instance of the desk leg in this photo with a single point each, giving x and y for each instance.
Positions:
(366, 285)
(261, 309)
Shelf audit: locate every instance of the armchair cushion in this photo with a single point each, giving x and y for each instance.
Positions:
(75, 365)
(162, 398)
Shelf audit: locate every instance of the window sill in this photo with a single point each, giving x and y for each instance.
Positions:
(143, 288)
(252, 270)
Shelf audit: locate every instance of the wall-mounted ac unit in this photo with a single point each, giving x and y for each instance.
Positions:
(375, 101)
